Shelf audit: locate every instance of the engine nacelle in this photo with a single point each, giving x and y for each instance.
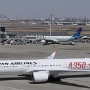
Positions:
(40, 76)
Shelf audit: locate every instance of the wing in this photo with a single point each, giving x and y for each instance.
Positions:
(51, 56)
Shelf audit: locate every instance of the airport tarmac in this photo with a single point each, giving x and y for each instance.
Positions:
(70, 81)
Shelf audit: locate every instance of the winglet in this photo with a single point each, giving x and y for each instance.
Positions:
(52, 55)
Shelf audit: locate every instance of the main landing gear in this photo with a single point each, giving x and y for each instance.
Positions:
(51, 78)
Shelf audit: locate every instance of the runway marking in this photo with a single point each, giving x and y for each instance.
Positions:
(9, 88)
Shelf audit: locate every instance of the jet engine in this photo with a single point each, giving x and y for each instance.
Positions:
(40, 76)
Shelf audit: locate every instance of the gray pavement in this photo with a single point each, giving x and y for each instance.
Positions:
(70, 81)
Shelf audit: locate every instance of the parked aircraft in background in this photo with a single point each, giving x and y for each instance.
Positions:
(63, 39)
(86, 37)
(42, 69)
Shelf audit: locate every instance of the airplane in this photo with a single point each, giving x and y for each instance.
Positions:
(42, 70)
(62, 39)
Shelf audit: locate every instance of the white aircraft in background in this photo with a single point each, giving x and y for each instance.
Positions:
(42, 69)
(62, 39)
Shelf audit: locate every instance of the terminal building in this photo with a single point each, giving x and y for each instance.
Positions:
(3, 34)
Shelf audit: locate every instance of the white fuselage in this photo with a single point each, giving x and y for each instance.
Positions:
(17, 67)
(58, 38)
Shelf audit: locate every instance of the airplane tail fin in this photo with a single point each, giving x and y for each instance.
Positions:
(77, 34)
(52, 55)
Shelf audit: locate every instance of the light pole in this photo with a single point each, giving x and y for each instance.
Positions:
(50, 27)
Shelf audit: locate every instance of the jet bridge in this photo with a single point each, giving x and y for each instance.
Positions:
(32, 38)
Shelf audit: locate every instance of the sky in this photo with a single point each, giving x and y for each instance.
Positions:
(44, 8)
